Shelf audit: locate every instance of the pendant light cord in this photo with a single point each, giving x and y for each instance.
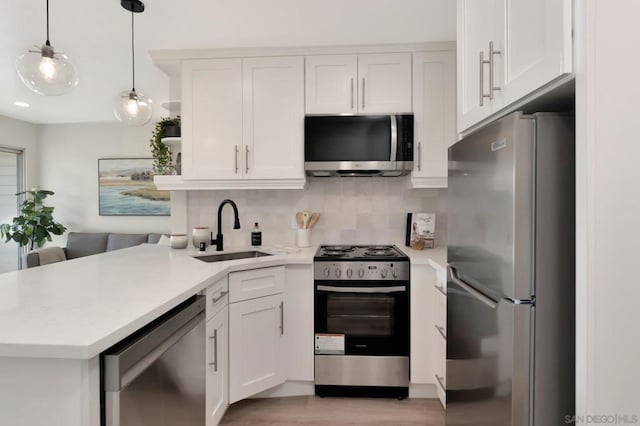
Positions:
(47, 42)
(133, 56)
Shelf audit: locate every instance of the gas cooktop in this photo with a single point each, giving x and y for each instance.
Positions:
(359, 252)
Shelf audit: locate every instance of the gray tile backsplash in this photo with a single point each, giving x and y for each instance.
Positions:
(353, 210)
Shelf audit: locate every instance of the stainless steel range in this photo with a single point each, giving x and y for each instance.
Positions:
(361, 321)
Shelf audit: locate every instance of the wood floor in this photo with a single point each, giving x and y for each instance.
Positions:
(312, 410)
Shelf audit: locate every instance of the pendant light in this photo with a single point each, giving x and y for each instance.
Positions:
(46, 71)
(131, 107)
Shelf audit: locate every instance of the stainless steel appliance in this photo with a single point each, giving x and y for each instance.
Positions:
(358, 145)
(511, 281)
(361, 321)
(157, 376)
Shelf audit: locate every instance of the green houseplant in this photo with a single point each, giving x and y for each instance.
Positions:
(162, 163)
(36, 223)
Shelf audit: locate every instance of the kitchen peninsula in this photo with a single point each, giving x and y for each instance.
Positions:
(55, 320)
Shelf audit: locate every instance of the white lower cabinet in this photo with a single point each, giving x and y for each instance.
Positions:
(256, 346)
(217, 391)
(298, 321)
(440, 334)
(422, 322)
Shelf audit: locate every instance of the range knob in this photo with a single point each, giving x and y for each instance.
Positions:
(394, 273)
(361, 272)
(383, 273)
(338, 272)
(326, 272)
(349, 272)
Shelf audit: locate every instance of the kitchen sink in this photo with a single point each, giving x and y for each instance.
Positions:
(232, 256)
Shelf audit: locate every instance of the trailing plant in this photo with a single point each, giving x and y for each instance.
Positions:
(36, 223)
(161, 153)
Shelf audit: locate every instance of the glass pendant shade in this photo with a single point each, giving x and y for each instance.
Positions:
(47, 72)
(132, 108)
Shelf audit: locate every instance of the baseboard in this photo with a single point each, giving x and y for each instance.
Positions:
(289, 388)
(304, 388)
(417, 390)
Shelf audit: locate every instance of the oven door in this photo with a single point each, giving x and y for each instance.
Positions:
(372, 316)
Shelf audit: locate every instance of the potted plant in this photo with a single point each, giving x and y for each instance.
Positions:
(36, 223)
(162, 161)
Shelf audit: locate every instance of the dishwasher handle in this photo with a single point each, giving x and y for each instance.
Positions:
(122, 367)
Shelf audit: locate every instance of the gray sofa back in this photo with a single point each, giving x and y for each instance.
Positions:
(80, 244)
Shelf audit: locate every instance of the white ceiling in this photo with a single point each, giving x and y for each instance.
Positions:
(96, 34)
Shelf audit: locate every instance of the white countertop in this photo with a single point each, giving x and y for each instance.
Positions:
(80, 307)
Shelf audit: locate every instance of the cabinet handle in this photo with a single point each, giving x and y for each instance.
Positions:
(483, 62)
(236, 160)
(215, 300)
(419, 157)
(246, 159)
(215, 350)
(351, 93)
(492, 53)
(282, 318)
(363, 93)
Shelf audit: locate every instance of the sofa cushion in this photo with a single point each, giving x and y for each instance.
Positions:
(120, 241)
(154, 238)
(81, 244)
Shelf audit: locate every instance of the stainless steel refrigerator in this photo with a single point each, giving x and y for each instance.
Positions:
(511, 273)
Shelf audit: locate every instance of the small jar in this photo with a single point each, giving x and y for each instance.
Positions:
(179, 241)
(200, 234)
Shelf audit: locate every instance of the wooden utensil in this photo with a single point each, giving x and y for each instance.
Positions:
(306, 216)
(299, 219)
(314, 219)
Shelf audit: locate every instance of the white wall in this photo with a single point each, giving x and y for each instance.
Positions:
(69, 156)
(353, 211)
(608, 189)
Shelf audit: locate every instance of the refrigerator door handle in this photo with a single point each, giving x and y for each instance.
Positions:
(453, 276)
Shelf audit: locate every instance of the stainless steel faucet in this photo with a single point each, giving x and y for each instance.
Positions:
(236, 224)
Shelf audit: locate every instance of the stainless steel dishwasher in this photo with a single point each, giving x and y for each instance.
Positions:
(157, 376)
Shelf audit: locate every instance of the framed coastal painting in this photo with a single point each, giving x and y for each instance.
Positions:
(126, 188)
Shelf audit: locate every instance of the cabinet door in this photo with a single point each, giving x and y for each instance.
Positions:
(256, 346)
(539, 45)
(273, 133)
(384, 83)
(435, 116)
(475, 29)
(330, 84)
(217, 396)
(211, 118)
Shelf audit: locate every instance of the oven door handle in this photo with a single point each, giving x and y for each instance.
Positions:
(392, 289)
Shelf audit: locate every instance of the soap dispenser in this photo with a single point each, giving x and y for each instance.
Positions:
(256, 235)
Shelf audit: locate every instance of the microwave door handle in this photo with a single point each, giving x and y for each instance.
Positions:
(394, 138)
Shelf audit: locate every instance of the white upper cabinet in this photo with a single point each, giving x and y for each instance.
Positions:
(242, 123)
(368, 83)
(273, 132)
(539, 48)
(211, 118)
(508, 49)
(434, 106)
(330, 84)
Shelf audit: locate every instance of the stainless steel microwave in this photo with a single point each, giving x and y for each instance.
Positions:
(358, 145)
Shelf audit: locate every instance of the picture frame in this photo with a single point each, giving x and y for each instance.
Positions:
(125, 188)
(421, 230)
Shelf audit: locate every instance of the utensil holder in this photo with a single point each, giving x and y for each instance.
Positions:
(303, 238)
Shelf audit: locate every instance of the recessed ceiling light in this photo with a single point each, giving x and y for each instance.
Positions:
(21, 104)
